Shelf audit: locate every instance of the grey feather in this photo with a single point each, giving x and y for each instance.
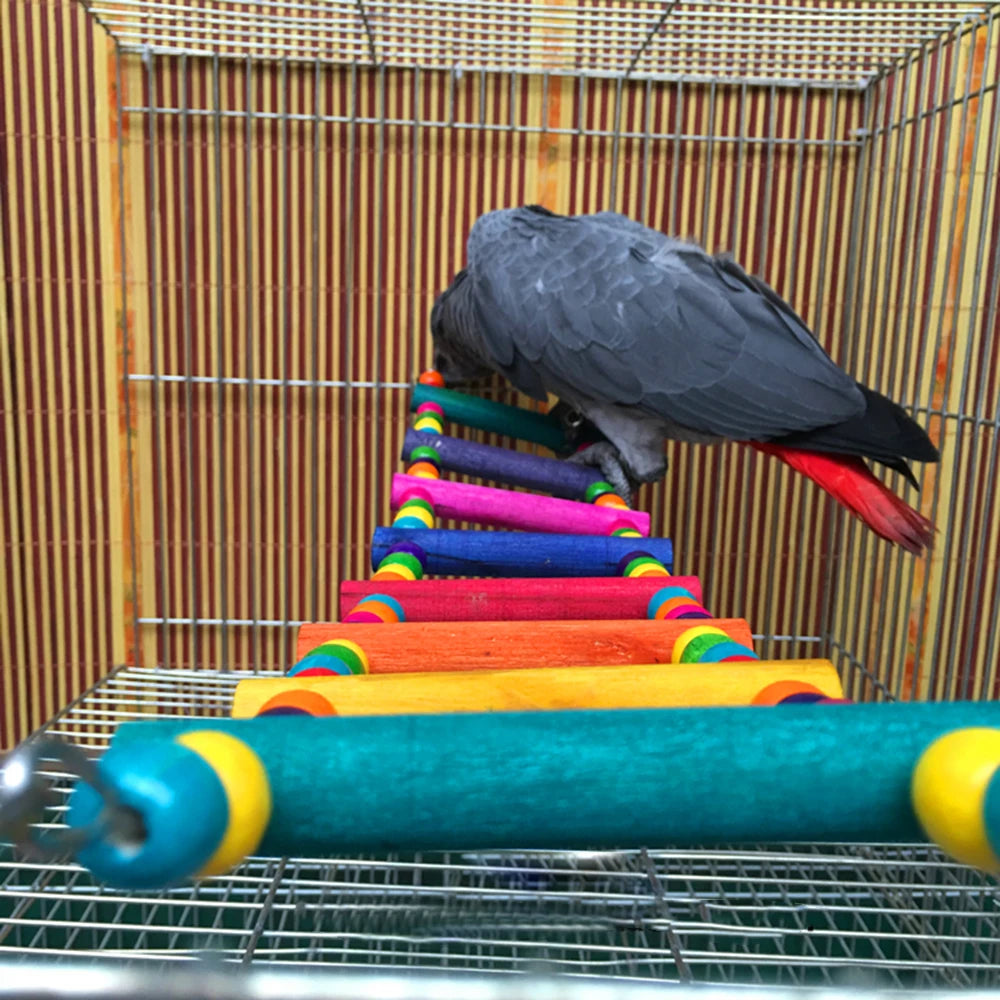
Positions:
(608, 314)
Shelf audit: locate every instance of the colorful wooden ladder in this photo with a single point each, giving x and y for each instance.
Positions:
(569, 692)
(551, 568)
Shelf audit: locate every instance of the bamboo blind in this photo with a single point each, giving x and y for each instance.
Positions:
(295, 225)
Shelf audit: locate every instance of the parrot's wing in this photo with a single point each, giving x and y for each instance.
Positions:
(602, 309)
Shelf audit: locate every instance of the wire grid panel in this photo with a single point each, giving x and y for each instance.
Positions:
(284, 229)
(876, 915)
(329, 207)
(317, 211)
(829, 42)
(924, 321)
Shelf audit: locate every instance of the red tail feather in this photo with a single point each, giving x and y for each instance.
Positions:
(850, 482)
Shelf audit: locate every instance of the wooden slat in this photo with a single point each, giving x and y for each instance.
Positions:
(535, 689)
(475, 645)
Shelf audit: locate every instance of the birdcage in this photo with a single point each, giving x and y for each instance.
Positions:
(227, 224)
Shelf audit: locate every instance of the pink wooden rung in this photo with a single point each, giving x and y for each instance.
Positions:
(517, 511)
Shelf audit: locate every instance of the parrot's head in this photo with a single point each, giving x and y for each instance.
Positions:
(459, 355)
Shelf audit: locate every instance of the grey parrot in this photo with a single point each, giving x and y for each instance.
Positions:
(645, 338)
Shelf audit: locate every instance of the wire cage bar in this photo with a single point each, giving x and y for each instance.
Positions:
(205, 396)
(819, 43)
(318, 179)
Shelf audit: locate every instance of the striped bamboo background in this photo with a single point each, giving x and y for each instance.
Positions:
(223, 231)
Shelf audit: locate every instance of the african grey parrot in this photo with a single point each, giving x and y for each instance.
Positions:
(647, 337)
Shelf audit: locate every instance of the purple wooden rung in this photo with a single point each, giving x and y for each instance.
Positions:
(568, 480)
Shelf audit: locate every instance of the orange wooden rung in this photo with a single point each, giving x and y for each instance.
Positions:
(480, 645)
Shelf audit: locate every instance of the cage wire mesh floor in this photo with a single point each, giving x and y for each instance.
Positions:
(888, 916)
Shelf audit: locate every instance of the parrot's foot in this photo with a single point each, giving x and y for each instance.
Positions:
(605, 456)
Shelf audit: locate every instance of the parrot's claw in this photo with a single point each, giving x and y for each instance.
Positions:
(604, 456)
